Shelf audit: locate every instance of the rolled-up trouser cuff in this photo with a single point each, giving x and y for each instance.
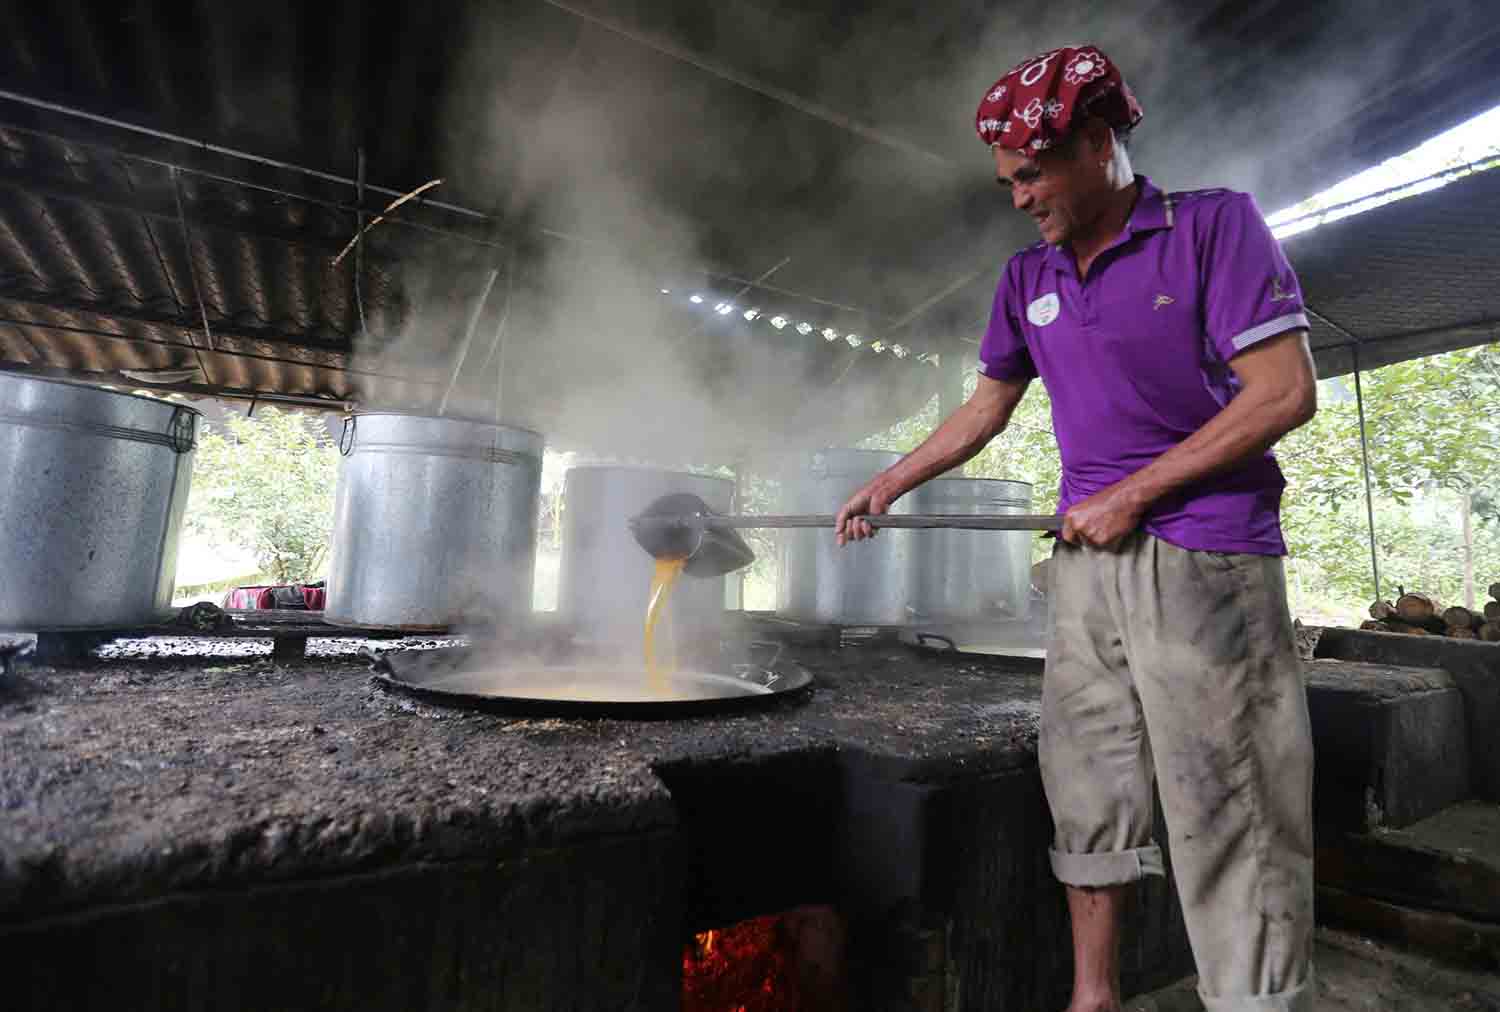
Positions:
(1301, 998)
(1117, 867)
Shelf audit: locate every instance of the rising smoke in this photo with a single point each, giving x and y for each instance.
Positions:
(575, 122)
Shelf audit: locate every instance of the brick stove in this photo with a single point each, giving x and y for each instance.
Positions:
(195, 833)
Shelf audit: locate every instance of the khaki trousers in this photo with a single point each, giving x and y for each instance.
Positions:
(1180, 666)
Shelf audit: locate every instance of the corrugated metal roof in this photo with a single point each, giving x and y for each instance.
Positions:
(1412, 278)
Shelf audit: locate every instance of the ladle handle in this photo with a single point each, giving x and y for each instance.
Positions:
(950, 521)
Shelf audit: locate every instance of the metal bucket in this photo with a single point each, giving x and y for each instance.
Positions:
(869, 583)
(91, 504)
(972, 576)
(435, 522)
(605, 577)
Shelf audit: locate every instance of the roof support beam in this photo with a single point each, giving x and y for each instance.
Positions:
(330, 403)
(41, 187)
(339, 365)
(340, 345)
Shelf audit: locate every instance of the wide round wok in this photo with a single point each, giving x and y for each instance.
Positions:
(477, 679)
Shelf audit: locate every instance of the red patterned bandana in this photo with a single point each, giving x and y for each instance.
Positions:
(1036, 105)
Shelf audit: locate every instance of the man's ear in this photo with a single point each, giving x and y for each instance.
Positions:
(1100, 139)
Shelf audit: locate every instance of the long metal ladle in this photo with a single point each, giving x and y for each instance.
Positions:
(681, 526)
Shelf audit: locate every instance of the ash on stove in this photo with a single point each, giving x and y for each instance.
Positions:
(143, 648)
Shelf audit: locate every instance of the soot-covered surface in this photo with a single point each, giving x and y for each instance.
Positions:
(129, 779)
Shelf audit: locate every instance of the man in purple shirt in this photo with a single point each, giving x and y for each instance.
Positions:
(1169, 331)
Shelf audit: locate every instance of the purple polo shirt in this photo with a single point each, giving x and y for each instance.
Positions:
(1136, 356)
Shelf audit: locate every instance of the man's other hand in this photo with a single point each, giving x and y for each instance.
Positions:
(1104, 518)
(873, 499)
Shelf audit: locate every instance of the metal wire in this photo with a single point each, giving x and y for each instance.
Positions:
(1364, 456)
(187, 239)
(276, 191)
(463, 351)
(129, 338)
(359, 251)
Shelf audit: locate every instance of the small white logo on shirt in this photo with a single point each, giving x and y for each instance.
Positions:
(1279, 294)
(1044, 310)
(1162, 300)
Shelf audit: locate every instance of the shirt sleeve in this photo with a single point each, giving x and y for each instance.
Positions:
(1003, 354)
(1250, 292)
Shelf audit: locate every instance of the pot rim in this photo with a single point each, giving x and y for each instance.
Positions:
(95, 388)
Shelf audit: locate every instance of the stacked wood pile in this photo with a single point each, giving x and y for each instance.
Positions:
(1421, 615)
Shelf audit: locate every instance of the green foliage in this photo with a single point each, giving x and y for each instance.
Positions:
(1434, 438)
(1025, 451)
(266, 484)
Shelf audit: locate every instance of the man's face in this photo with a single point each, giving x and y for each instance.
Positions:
(1063, 189)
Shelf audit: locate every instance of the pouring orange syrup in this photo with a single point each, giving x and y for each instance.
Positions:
(666, 574)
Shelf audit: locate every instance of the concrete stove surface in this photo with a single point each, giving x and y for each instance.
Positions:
(125, 779)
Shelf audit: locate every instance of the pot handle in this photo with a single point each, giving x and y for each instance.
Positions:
(346, 436)
(181, 429)
(944, 643)
(775, 648)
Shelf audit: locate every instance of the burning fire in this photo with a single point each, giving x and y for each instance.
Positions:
(746, 968)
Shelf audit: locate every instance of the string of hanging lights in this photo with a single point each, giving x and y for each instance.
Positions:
(780, 322)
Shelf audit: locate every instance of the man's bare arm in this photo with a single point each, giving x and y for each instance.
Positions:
(961, 435)
(1278, 393)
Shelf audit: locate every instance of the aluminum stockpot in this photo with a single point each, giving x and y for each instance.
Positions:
(605, 576)
(435, 522)
(971, 576)
(866, 583)
(93, 487)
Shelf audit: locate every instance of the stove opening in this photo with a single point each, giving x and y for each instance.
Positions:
(786, 962)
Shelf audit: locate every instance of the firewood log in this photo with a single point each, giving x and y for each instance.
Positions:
(1495, 591)
(1406, 628)
(1492, 611)
(1382, 610)
(1462, 632)
(1434, 625)
(1416, 607)
(1458, 617)
(1490, 632)
(1371, 625)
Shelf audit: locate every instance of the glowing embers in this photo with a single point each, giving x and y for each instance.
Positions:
(781, 963)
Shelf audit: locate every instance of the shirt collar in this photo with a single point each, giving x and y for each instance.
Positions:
(1153, 211)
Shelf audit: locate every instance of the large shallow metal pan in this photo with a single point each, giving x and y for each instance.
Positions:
(459, 677)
